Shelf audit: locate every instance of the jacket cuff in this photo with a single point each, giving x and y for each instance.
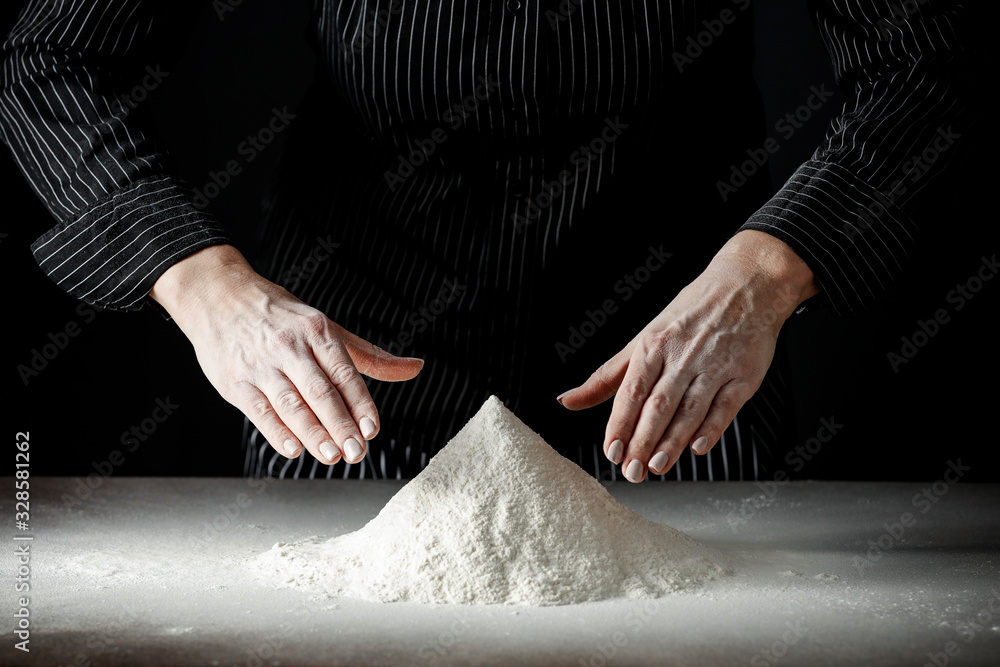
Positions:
(112, 254)
(852, 236)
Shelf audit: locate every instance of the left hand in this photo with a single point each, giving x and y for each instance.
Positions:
(686, 375)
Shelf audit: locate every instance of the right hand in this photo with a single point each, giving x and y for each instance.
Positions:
(293, 372)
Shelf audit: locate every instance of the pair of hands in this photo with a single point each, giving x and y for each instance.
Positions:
(681, 380)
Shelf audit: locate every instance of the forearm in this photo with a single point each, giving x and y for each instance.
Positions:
(68, 116)
(853, 211)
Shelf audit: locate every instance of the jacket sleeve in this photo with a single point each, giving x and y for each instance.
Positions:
(73, 77)
(852, 211)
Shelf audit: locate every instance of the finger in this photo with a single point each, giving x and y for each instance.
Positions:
(600, 386)
(689, 415)
(349, 393)
(672, 399)
(376, 363)
(643, 371)
(327, 405)
(296, 413)
(727, 402)
(258, 409)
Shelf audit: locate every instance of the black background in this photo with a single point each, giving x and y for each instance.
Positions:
(896, 425)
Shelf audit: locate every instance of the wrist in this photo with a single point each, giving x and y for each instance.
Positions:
(772, 267)
(197, 277)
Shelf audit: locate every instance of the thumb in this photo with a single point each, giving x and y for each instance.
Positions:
(376, 363)
(601, 385)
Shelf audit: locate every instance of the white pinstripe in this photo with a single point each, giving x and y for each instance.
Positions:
(98, 173)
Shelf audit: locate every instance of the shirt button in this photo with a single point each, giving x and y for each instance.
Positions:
(513, 6)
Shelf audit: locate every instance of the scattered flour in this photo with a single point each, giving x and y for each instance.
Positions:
(498, 517)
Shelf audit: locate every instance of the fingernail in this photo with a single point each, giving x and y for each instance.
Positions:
(633, 472)
(329, 450)
(367, 427)
(560, 396)
(353, 451)
(615, 451)
(700, 445)
(291, 447)
(658, 462)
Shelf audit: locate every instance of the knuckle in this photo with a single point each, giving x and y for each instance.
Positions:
(343, 428)
(656, 343)
(726, 403)
(289, 402)
(259, 411)
(730, 400)
(315, 435)
(689, 406)
(342, 373)
(634, 389)
(319, 389)
(284, 340)
(659, 340)
(659, 404)
(315, 324)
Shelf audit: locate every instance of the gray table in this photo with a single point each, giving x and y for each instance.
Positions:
(150, 571)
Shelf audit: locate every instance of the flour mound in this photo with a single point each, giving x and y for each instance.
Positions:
(498, 517)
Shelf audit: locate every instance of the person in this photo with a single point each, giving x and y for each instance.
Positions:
(527, 194)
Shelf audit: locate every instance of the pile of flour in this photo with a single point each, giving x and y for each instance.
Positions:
(498, 517)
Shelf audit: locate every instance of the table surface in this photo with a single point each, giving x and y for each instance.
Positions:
(152, 571)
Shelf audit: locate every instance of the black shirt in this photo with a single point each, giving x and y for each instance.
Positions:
(510, 190)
